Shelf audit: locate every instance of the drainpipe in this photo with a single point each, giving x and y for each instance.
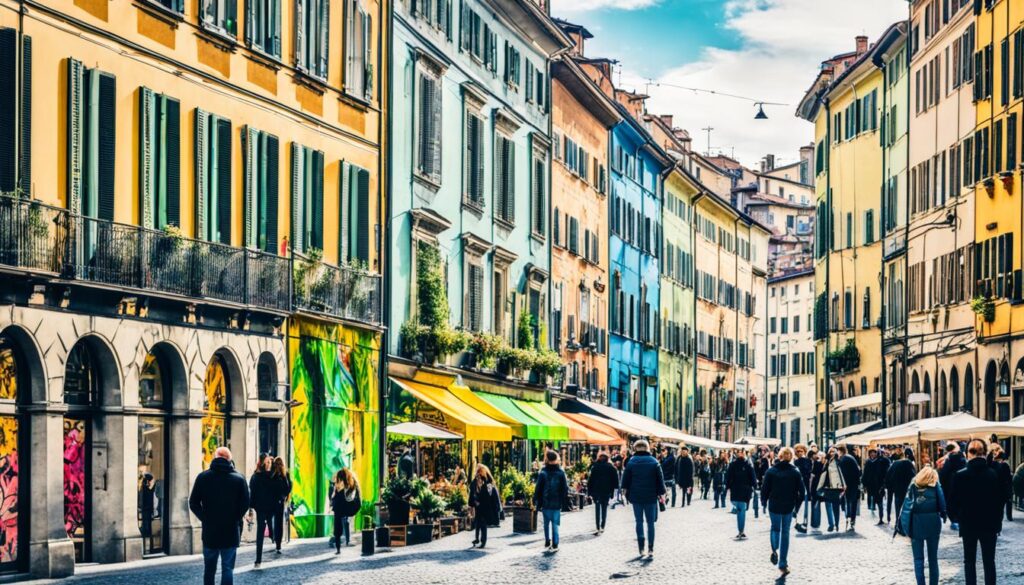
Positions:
(828, 266)
(881, 275)
(386, 170)
(736, 312)
(693, 280)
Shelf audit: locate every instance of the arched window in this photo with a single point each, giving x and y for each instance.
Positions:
(12, 378)
(954, 389)
(215, 408)
(942, 404)
(926, 406)
(969, 389)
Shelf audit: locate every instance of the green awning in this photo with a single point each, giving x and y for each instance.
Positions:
(546, 415)
(537, 428)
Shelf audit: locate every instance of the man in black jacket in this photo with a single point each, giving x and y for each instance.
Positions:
(952, 463)
(870, 479)
(220, 499)
(976, 503)
(644, 487)
(897, 480)
(601, 485)
(850, 468)
(882, 465)
(684, 476)
(668, 470)
(782, 490)
(740, 481)
(805, 465)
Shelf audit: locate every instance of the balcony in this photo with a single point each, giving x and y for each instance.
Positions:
(39, 238)
(342, 292)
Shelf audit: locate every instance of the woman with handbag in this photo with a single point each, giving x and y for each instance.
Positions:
(345, 502)
(817, 470)
(924, 511)
(484, 499)
(831, 488)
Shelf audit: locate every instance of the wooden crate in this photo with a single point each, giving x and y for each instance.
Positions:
(449, 526)
(399, 535)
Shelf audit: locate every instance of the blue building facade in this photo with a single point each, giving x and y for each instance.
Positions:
(637, 164)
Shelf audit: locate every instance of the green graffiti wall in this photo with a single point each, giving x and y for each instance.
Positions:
(334, 373)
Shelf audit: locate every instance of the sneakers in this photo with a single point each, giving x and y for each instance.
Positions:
(775, 557)
(257, 565)
(650, 553)
(801, 528)
(640, 544)
(547, 544)
(554, 548)
(784, 571)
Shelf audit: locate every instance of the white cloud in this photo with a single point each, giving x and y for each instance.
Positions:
(570, 7)
(783, 43)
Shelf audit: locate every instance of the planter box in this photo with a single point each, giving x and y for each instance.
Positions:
(398, 535)
(524, 519)
(383, 534)
(449, 526)
(419, 534)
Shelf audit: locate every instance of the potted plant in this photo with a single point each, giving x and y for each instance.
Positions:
(457, 499)
(517, 492)
(547, 364)
(396, 497)
(430, 507)
(984, 307)
(368, 532)
(485, 349)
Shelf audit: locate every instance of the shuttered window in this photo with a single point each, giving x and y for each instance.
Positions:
(212, 150)
(220, 16)
(473, 177)
(159, 160)
(513, 61)
(538, 196)
(262, 25)
(355, 220)
(504, 178)
(358, 59)
(428, 127)
(177, 6)
(312, 18)
(307, 198)
(475, 290)
(261, 168)
(15, 113)
(91, 125)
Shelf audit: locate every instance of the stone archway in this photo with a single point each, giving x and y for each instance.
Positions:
(969, 390)
(954, 389)
(942, 403)
(989, 389)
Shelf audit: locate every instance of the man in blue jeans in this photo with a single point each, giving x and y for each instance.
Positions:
(549, 494)
(644, 486)
(740, 480)
(782, 490)
(220, 499)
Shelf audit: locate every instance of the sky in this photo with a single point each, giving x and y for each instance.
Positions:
(769, 50)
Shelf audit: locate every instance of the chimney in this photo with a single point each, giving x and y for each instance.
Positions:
(768, 163)
(862, 44)
(667, 119)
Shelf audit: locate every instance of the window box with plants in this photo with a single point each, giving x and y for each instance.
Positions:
(517, 494)
(984, 307)
(845, 359)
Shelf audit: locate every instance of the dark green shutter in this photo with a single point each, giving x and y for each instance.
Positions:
(363, 218)
(8, 109)
(317, 196)
(271, 186)
(25, 152)
(171, 146)
(107, 140)
(251, 139)
(202, 174)
(224, 193)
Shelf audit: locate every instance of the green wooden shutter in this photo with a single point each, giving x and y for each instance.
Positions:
(478, 162)
(147, 156)
(250, 191)
(75, 134)
(499, 176)
(172, 158)
(300, 35)
(201, 140)
(510, 181)
(317, 196)
(298, 202)
(8, 109)
(223, 186)
(106, 141)
(270, 185)
(362, 215)
(321, 31)
(344, 198)
(469, 158)
(25, 146)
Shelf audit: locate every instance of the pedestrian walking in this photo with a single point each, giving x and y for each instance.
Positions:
(618, 462)
(952, 463)
(817, 471)
(921, 519)
(602, 482)
(345, 503)
(282, 482)
(220, 499)
(484, 499)
(147, 509)
(684, 476)
(740, 480)
(1018, 485)
(761, 466)
(804, 465)
(850, 468)
(997, 460)
(668, 471)
(832, 488)
(718, 469)
(898, 479)
(262, 499)
(882, 465)
(976, 503)
(549, 495)
(704, 474)
(870, 479)
(782, 490)
(644, 487)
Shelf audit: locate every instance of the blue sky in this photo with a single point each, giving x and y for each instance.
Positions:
(769, 50)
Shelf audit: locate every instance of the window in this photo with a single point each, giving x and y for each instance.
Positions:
(512, 65)
(307, 198)
(311, 33)
(475, 290)
(473, 176)
(172, 5)
(262, 26)
(796, 324)
(15, 150)
(1011, 141)
(848, 309)
(260, 160)
(358, 50)
(504, 178)
(538, 197)
(428, 125)
(91, 124)
(159, 160)
(219, 16)
(1018, 64)
(212, 148)
(866, 309)
(355, 216)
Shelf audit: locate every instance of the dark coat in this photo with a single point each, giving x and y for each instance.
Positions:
(782, 488)
(642, 480)
(282, 487)
(870, 477)
(407, 465)
(1005, 477)
(761, 467)
(804, 465)
(718, 469)
(668, 468)
(851, 471)
(817, 468)
(220, 499)
(346, 503)
(263, 493)
(602, 481)
(899, 476)
(927, 511)
(485, 500)
(740, 480)
(552, 488)
(684, 472)
(1018, 481)
(976, 501)
(954, 462)
(882, 469)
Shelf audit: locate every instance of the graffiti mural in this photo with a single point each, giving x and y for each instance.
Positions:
(215, 406)
(74, 480)
(8, 489)
(337, 422)
(8, 370)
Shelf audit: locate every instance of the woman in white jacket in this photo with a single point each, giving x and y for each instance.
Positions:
(831, 488)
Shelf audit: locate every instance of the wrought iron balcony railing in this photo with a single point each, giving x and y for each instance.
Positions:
(40, 238)
(344, 292)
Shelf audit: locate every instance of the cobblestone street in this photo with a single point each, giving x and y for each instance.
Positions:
(694, 546)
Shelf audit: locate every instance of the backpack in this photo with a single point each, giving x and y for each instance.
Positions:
(552, 489)
(906, 518)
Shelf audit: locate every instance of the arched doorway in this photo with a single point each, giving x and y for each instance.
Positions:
(969, 389)
(270, 399)
(216, 406)
(989, 390)
(14, 382)
(1002, 407)
(1018, 389)
(915, 388)
(941, 407)
(926, 407)
(954, 389)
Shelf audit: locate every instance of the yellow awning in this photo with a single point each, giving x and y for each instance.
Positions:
(474, 400)
(453, 413)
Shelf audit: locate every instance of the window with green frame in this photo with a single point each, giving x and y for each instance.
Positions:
(91, 126)
(354, 235)
(212, 149)
(159, 160)
(307, 198)
(260, 168)
(263, 26)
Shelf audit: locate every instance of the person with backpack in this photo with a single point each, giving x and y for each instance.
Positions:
(486, 503)
(782, 491)
(602, 482)
(345, 502)
(704, 473)
(549, 495)
(262, 499)
(897, 480)
(718, 469)
(740, 480)
(921, 518)
(644, 487)
(684, 476)
(668, 471)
